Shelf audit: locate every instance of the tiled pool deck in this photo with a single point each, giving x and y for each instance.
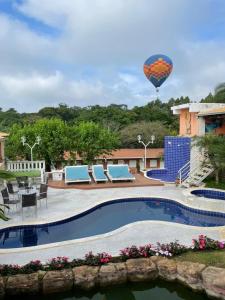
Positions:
(63, 203)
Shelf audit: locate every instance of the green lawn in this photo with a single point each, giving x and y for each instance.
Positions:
(28, 173)
(210, 183)
(210, 258)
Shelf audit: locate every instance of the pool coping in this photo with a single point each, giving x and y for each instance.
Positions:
(188, 193)
(218, 229)
(82, 210)
(107, 235)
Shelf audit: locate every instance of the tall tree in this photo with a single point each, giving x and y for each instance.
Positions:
(92, 140)
(128, 135)
(55, 139)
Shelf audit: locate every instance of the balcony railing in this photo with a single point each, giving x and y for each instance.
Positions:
(25, 165)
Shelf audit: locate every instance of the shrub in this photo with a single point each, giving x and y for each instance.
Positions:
(6, 270)
(33, 266)
(96, 260)
(58, 263)
(62, 262)
(205, 243)
(174, 248)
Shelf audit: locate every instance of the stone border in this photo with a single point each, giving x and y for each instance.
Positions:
(198, 277)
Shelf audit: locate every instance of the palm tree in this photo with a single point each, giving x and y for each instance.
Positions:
(214, 146)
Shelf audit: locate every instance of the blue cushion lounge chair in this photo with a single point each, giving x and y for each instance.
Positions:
(98, 173)
(119, 172)
(77, 174)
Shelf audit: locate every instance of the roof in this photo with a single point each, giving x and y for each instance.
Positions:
(128, 154)
(134, 153)
(196, 107)
(211, 112)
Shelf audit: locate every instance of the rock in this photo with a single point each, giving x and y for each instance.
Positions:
(85, 277)
(155, 259)
(22, 284)
(112, 274)
(58, 281)
(2, 288)
(167, 269)
(141, 269)
(190, 274)
(214, 282)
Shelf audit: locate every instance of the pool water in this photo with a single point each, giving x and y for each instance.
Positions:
(212, 194)
(142, 291)
(107, 217)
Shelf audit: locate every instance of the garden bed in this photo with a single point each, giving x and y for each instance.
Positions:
(134, 264)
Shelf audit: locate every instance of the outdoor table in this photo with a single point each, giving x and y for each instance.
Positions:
(29, 191)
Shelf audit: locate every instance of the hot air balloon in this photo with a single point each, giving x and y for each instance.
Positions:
(157, 68)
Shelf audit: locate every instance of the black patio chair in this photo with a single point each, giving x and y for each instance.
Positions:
(11, 190)
(29, 200)
(6, 200)
(22, 181)
(43, 193)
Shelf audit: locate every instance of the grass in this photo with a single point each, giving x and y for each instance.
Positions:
(214, 258)
(28, 173)
(210, 183)
(12, 175)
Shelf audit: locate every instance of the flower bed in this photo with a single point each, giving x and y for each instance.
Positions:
(165, 250)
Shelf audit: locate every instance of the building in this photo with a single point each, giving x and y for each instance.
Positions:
(133, 157)
(197, 119)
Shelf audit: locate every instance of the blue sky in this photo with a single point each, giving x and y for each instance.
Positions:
(87, 52)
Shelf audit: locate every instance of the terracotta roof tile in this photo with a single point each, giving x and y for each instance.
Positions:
(128, 154)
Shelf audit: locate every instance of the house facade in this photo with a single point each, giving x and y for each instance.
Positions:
(133, 157)
(197, 119)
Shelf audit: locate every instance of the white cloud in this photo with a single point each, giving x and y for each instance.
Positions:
(98, 56)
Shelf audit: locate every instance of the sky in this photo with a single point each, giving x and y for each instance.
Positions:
(88, 52)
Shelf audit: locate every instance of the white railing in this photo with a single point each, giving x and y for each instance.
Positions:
(191, 166)
(25, 165)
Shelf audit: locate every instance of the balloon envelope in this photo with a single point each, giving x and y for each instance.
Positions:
(157, 68)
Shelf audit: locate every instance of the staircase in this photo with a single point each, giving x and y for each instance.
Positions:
(194, 175)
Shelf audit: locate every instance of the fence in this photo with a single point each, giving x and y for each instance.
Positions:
(25, 165)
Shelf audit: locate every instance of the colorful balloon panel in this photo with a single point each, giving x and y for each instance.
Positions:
(157, 68)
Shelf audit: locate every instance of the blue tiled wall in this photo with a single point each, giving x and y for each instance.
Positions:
(176, 154)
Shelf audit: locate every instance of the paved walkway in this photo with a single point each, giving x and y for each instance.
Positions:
(66, 203)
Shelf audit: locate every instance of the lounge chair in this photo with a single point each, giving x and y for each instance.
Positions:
(119, 172)
(77, 174)
(98, 173)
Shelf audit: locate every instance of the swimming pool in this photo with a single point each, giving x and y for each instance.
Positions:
(106, 217)
(208, 193)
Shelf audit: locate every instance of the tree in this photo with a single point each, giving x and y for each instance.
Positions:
(128, 135)
(92, 140)
(214, 146)
(219, 95)
(55, 139)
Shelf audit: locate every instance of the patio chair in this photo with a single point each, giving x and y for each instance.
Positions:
(43, 193)
(11, 189)
(29, 200)
(99, 174)
(119, 172)
(77, 174)
(7, 200)
(22, 181)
